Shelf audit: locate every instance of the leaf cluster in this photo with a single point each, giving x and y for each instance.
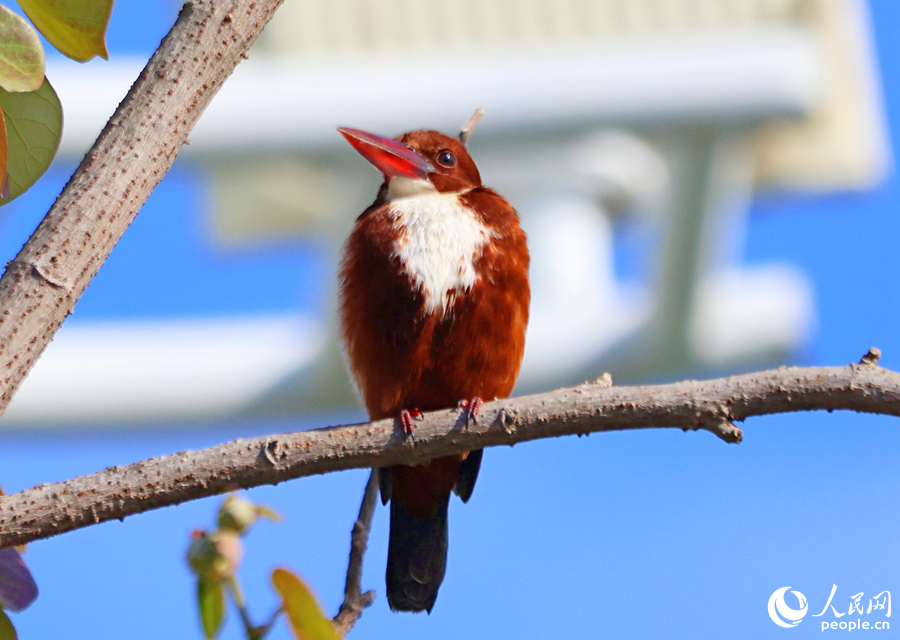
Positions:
(32, 119)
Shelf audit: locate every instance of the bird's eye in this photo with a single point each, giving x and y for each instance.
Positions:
(446, 159)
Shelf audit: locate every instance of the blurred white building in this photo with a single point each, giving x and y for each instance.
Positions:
(665, 116)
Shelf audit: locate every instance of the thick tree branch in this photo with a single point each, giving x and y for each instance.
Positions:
(133, 153)
(712, 405)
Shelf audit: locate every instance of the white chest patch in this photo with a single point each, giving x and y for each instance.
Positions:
(439, 243)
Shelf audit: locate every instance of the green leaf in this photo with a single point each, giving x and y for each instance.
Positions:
(33, 130)
(211, 596)
(76, 27)
(303, 612)
(7, 630)
(22, 59)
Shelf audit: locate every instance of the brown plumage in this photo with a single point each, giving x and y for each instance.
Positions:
(433, 308)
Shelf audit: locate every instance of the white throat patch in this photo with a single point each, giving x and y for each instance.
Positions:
(402, 187)
(439, 242)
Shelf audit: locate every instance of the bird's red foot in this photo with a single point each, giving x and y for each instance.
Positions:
(407, 417)
(474, 408)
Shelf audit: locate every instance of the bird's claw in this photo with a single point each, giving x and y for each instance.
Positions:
(407, 421)
(474, 408)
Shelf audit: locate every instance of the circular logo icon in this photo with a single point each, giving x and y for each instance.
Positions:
(781, 613)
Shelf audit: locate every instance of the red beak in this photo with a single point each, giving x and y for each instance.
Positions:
(389, 156)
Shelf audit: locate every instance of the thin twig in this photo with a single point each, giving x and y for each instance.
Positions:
(267, 628)
(237, 595)
(711, 405)
(354, 600)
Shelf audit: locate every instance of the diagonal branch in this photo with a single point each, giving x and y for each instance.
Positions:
(42, 284)
(712, 405)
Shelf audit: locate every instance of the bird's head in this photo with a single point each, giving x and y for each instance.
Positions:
(418, 162)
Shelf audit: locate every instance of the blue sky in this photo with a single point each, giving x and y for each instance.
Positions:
(645, 534)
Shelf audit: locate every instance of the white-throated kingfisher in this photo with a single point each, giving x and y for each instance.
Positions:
(434, 302)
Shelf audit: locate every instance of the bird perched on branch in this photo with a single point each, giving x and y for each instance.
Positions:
(433, 308)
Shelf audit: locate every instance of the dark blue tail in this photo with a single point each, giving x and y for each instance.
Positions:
(417, 558)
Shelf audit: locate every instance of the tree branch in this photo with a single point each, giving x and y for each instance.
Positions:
(354, 599)
(712, 405)
(133, 153)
